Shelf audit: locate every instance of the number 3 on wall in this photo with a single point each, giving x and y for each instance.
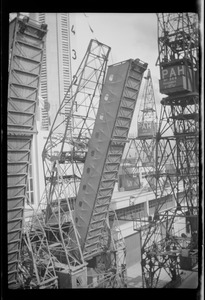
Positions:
(74, 54)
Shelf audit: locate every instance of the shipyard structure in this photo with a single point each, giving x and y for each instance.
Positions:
(110, 201)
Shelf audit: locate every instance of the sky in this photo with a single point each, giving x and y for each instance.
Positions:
(130, 35)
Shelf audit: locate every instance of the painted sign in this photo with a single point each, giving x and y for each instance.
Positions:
(172, 72)
(146, 128)
(175, 79)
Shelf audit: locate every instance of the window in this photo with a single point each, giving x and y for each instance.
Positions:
(163, 200)
(138, 208)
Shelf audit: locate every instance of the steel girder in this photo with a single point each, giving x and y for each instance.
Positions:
(177, 140)
(118, 99)
(63, 160)
(26, 45)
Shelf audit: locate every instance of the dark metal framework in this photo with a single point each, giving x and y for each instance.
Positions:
(148, 110)
(169, 238)
(70, 132)
(64, 155)
(63, 161)
(177, 140)
(143, 146)
(52, 230)
(26, 45)
(118, 99)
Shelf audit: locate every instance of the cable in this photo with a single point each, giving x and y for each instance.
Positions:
(92, 31)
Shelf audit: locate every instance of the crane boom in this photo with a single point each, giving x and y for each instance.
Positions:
(117, 103)
(26, 45)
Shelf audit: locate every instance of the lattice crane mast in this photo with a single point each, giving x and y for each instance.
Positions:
(63, 160)
(165, 245)
(81, 159)
(147, 116)
(71, 130)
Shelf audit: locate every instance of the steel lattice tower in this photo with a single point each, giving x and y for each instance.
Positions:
(147, 115)
(177, 141)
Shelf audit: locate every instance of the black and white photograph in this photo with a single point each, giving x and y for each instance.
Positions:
(104, 160)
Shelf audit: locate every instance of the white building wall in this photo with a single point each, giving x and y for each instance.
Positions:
(55, 80)
(122, 199)
(127, 229)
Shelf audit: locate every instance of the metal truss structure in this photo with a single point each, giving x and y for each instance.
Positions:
(169, 238)
(68, 164)
(37, 263)
(142, 147)
(110, 266)
(177, 141)
(73, 240)
(26, 45)
(63, 160)
(71, 130)
(147, 115)
(106, 146)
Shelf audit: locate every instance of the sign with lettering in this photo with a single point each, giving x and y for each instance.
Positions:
(172, 72)
(174, 79)
(146, 128)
